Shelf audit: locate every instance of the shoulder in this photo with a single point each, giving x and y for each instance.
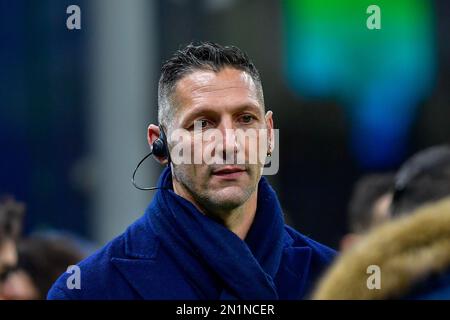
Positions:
(320, 252)
(306, 260)
(93, 272)
(98, 277)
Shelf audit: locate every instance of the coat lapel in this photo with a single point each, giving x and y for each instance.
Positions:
(291, 279)
(146, 270)
(153, 280)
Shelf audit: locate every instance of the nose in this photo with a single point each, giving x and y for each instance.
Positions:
(229, 144)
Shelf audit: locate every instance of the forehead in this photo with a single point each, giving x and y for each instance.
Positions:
(220, 91)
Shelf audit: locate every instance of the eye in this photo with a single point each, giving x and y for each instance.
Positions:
(203, 123)
(247, 118)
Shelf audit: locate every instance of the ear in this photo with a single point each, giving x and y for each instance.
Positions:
(270, 131)
(153, 134)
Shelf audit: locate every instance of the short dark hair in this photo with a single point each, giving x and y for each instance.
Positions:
(366, 191)
(424, 178)
(200, 56)
(11, 217)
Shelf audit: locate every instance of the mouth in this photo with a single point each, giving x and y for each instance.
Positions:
(229, 172)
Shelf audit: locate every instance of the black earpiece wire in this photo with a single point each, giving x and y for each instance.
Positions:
(162, 138)
(134, 174)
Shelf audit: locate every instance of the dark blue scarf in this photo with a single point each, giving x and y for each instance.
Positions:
(217, 263)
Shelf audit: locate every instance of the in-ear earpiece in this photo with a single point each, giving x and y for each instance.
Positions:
(159, 146)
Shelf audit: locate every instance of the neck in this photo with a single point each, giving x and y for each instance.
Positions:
(240, 220)
(237, 220)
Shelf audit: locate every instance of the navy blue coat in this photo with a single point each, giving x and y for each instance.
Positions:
(136, 265)
(133, 266)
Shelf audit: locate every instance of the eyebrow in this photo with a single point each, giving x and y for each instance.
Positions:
(205, 110)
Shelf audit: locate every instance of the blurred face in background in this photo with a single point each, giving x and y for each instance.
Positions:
(380, 209)
(11, 215)
(8, 254)
(228, 99)
(8, 260)
(379, 214)
(18, 285)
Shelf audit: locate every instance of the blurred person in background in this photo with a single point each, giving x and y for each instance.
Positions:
(413, 251)
(424, 178)
(369, 206)
(41, 260)
(212, 231)
(11, 218)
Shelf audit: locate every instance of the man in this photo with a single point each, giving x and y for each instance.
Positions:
(214, 230)
(369, 206)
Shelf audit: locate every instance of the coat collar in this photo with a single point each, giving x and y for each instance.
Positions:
(143, 260)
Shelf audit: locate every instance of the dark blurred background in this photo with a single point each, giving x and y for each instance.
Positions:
(75, 104)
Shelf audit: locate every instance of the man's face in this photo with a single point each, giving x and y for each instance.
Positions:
(224, 101)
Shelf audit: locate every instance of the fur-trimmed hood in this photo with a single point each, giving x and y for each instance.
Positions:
(407, 251)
